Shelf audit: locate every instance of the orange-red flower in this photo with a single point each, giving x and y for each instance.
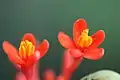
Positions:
(82, 44)
(29, 51)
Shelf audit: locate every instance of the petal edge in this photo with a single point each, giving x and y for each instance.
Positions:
(65, 40)
(78, 27)
(30, 37)
(75, 53)
(43, 47)
(94, 54)
(98, 38)
(12, 53)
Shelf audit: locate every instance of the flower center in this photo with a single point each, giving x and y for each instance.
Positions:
(84, 40)
(26, 49)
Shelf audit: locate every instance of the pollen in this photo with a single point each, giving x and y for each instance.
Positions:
(26, 49)
(84, 40)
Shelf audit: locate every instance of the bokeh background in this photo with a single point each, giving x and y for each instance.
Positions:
(45, 18)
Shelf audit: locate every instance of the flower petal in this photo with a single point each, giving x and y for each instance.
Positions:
(65, 40)
(60, 77)
(43, 47)
(94, 54)
(98, 38)
(12, 53)
(78, 27)
(30, 37)
(76, 53)
(49, 75)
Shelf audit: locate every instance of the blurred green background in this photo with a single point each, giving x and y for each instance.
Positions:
(45, 18)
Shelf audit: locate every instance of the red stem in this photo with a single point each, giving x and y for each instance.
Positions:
(73, 67)
(70, 65)
(32, 73)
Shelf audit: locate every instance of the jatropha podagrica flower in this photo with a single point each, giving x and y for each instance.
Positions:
(82, 44)
(28, 53)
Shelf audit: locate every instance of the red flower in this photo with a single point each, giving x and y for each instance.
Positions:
(83, 44)
(29, 52)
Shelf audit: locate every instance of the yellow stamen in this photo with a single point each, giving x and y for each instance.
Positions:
(84, 40)
(26, 49)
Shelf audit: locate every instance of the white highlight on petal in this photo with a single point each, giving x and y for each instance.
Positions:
(37, 54)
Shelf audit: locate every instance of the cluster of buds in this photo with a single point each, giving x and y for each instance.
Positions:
(29, 53)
